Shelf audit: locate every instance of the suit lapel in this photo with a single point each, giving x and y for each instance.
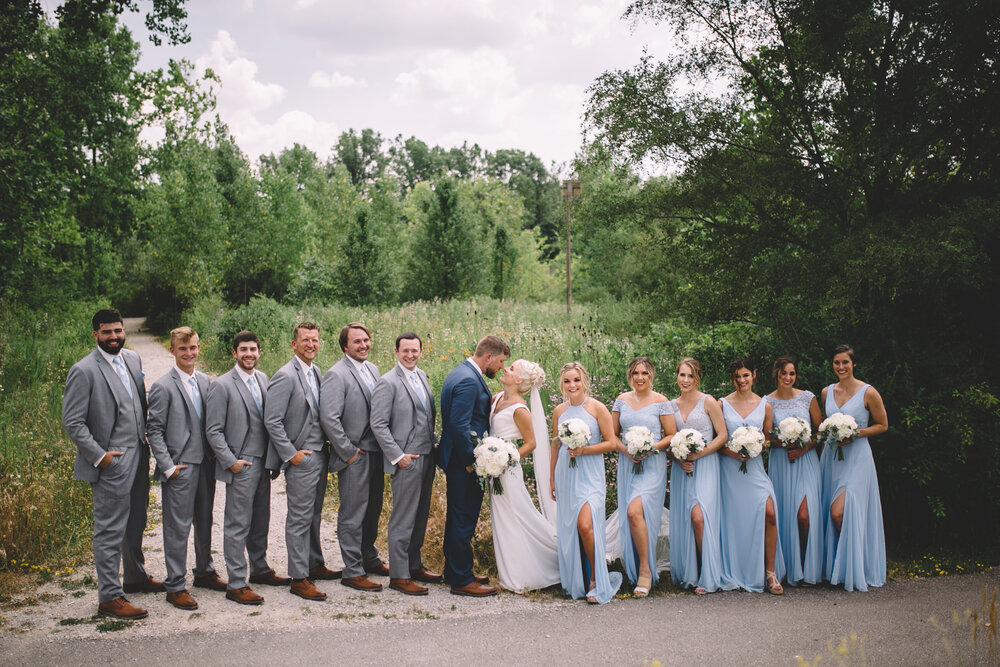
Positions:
(244, 392)
(401, 372)
(357, 377)
(304, 385)
(179, 383)
(111, 377)
(482, 380)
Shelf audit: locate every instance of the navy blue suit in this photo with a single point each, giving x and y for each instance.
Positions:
(465, 409)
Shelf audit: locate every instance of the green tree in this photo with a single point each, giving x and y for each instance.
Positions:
(839, 187)
(362, 155)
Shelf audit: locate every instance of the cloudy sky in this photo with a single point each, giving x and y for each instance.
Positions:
(500, 73)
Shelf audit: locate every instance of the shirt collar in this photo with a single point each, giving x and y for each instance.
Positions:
(110, 358)
(475, 365)
(305, 367)
(243, 374)
(184, 376)
(357, 364)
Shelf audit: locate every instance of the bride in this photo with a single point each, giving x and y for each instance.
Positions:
(524, 541)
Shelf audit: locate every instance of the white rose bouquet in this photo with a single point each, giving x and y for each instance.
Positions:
(639, 444)
(493, 457)
(836, 428)
(685, 442)
(793, 432)
(748, 442)
(574, 433)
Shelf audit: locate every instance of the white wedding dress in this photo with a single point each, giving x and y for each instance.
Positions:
(523, 540)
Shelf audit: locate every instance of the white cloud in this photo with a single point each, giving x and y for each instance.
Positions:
(480, 85)
(240, 88)
(335, 80)
(257, 138)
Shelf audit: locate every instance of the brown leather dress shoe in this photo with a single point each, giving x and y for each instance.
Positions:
(121, 608)
(244, 596)
(381, 569)
(269, 578)
(210, 581)
(407, 587)
(481, 579)
(426, 576)
(361, 583)
(149, 586)
(474, 590)
(323, 572)
(182, 600)
(306, 589)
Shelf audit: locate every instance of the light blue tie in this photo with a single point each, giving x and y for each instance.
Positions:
(418, 389)
(255, 392)
(368, 378)
(312, 385)
(122, 374)
(195, 396)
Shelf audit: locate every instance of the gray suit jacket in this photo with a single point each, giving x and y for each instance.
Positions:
(93, 401)
(289, 416)
(395, 413)
(346, 402)
(175, 432)
(229, 413)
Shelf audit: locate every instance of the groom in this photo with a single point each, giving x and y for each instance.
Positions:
(465, 416)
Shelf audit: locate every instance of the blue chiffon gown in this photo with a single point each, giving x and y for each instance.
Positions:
(793, 482)
(856, 556)
(650, 485)
(576, 487)
(744, 499)
(702, 488)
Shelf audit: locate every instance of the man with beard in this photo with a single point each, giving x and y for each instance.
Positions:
(465, 416)
(104, 413)
(234, 426)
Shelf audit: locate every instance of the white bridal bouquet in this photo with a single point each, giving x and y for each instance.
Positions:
(748, 442)
(836, 428)
(493, 456)
(686, 441)
(793, 432)
(574, 433)
(639, 443)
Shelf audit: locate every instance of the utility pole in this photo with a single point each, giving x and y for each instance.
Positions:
(570, 190)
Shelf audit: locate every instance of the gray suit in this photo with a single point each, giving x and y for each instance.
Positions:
(345, 409)
(99, 416)
(402, 425)
(291, 417)
(234, 426)
(177, 436)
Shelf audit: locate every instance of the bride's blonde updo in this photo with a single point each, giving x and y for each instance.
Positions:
(532, 375)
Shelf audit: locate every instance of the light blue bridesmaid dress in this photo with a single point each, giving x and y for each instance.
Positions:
(744, 499)
(793, 482)
(650, 485)
(701, 488)
(855, 557)
(576, 487)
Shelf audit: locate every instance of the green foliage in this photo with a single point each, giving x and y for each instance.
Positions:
(834, 189)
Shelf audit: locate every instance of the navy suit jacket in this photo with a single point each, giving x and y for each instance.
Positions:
(465, 410)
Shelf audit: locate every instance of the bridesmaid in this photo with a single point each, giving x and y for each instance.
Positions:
(855, 540)
(643, 493)
(751, 553)
(695, 502)
(580, 492)
(796, 478)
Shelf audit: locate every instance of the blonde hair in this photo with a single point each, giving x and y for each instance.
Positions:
(584, 375)
(693, 365)
(182, 335)
(532, 375)
(640, 361)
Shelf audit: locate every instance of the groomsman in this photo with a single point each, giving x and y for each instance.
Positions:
(402, 420)
(104, 413)
(346, 404)
(234, 426)
(176, 433)
(291, 417)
